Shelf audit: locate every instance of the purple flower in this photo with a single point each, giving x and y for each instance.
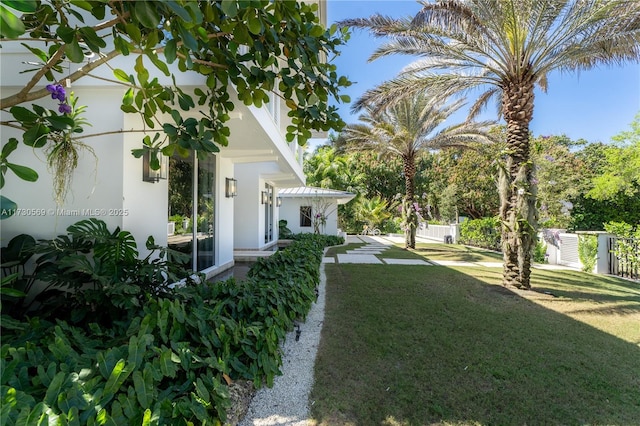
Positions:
(549, 158)
(57, 92)
(64, 108)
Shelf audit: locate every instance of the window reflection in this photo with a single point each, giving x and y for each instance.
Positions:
(187, 226)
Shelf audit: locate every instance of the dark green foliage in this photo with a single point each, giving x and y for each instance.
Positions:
(283, 230)
(540, 252)
(101, 263)
(589, 214)
(168, 360)
(588, 251)
(481, 233)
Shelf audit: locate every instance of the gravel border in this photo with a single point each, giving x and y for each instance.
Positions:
(287, 402)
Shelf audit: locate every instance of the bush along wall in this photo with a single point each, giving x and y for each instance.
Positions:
(169, 362)
(483, 233)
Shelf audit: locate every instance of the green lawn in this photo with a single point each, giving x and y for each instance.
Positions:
(417, 345)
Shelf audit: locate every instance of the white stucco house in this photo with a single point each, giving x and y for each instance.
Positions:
(310, 209)
(225, 202)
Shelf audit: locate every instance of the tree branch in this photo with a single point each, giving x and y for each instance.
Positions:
(26, 95)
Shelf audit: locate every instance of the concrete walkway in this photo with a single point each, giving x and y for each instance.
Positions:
(372, 252)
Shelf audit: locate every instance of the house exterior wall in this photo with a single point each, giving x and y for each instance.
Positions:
(224, 215)
(111, 184)
(97, 186)
(249, 224)
(290, 211)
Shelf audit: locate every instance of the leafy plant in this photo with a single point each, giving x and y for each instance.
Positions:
(588, 251)
(172, 359)
(540, 252)
(283, 230)
(481, 233)
(92, 271)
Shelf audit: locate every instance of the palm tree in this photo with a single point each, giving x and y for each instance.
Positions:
(404, 130)
(504, 48)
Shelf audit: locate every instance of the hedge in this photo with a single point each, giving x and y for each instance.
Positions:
(171, 361)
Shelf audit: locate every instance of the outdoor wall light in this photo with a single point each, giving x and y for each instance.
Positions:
(230, 188)
(265, 197)
(278, 201)
(150, 175)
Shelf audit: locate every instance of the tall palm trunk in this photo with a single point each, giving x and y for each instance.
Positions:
(517, 186)
(408, 207)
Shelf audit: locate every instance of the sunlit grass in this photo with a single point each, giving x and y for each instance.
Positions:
(414, 345)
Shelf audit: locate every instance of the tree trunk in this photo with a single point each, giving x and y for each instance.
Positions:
(517, 187)
(408, 208)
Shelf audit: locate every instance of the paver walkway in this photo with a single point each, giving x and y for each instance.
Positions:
(376, 246)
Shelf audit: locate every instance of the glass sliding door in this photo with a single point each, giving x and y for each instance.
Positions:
(181, 206)
(192, 209)
(268, 214)
(205, 207)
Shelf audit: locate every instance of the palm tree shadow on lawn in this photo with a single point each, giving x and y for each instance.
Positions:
(457, 253)
(443, 346)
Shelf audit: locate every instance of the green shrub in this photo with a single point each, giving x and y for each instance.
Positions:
(168, 361)
(284, 231)
(540, 252)
(588, 251)
(483, 232)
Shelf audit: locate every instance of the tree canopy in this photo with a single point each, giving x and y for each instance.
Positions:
(503, 49)
(254, 46)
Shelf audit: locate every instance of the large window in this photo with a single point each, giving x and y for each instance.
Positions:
(305, 216)
(191, 208)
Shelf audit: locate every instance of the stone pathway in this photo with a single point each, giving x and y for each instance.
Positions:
(376, 246)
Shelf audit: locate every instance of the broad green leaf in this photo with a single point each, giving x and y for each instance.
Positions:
(146, 418)
(82, 4)
(74, 51)
(134, 32)
(36, 136)
(179, 10)
(127, 99)
(37, 52)
(254, 24)
(147, 14)
(28, 417)
(10, 25)
(91, 38)
(187, 38)
(170, 51)
(158, 63)
(23, 172)
(167, 365)
(118, 375)
(67, 34)
(54, 388)
(23, 115)
(60, 122)
(229, 7)
(143, 74)
(122, 76)
(9, 147)
(25, 6)
(143, 384)
(201, 390)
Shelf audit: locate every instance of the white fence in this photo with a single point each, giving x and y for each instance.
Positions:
(563, 250)
(439, 232)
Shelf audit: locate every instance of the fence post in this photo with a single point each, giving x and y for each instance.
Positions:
(454, 231)
(602, 264)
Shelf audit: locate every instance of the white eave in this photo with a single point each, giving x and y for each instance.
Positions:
(342, 197)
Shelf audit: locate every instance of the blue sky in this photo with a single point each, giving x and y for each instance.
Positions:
(593, 105)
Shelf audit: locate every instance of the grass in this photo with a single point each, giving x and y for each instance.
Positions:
(417, 345)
